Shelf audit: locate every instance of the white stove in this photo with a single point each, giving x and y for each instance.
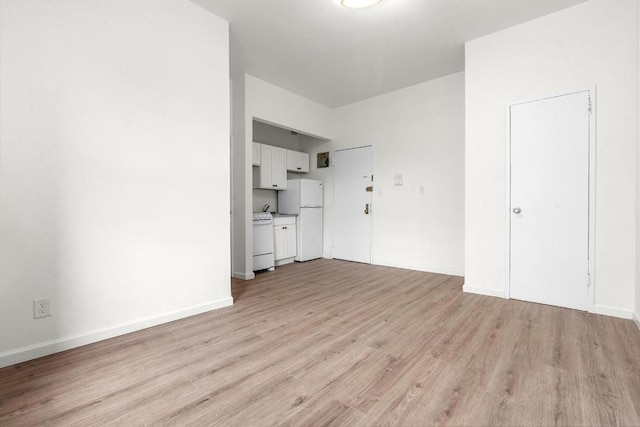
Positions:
(262, 216)
(263, 241)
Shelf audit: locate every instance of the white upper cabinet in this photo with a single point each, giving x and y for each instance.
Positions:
(279, 168)
(273, 168)
(273, 164)
(297, 161)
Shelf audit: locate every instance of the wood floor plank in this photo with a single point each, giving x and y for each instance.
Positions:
(324, 412)
(485, 409)
(330, 342)
(402, 402)
(55, 400)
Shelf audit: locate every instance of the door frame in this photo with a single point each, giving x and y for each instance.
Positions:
(371, 209)
(591, 90)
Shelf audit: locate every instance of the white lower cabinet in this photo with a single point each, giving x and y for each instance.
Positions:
(284, 239)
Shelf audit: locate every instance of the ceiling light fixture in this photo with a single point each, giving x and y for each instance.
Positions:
(358, 4)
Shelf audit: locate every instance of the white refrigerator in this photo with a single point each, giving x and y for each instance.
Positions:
(304, 197)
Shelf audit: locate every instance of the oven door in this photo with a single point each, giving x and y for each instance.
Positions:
(262, 237)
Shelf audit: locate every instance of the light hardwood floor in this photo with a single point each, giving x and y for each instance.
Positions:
(331, 342)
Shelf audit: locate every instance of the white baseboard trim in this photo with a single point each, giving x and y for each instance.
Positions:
(636, 318)
(244, 276)
(613, 311)
(445, 271)
(426, 269)
(483, 291)
(46, 348)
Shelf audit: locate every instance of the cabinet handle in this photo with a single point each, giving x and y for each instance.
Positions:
(366, 209)
(275, 185)
(284, 228)
(299, 169)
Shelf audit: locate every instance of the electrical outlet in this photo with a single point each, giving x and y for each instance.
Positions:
(40, 308)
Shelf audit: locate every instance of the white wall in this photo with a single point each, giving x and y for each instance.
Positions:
(272, 104)
(241, 197)
(595, 43)
(417, 131)
(114, 168)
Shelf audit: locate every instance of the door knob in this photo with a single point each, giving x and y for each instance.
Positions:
(366, 209)
(517, 210)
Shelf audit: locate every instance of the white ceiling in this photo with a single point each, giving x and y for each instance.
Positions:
(336, 56)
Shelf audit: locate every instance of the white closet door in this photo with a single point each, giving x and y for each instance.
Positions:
(549, 242)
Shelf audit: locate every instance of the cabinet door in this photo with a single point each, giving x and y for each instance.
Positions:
(279, 242)
(266, 165)
(273, 168)
(303, 162)
(278, 168)
(290, 237)
(297, 161)
(284, 241)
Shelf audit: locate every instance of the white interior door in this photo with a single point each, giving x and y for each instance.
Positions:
(353, 173)
(549, 200)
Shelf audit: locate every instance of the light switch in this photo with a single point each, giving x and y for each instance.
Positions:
(398, 179)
